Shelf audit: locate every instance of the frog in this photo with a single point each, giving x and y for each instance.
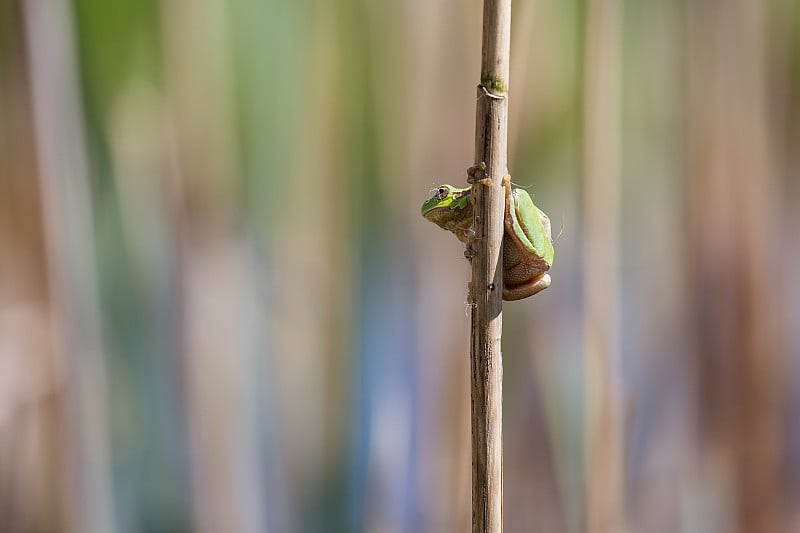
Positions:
(451, 208)
(527, 242)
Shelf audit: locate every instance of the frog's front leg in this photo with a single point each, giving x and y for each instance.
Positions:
(477, 174)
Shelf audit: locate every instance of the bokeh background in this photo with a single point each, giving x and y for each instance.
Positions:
(220, 309)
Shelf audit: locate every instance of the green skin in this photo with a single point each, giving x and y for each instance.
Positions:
(527, 244)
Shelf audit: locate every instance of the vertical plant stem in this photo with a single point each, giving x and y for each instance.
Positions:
(601, 160)
(487, 272)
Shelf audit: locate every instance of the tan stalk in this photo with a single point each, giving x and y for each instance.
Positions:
(487, 272)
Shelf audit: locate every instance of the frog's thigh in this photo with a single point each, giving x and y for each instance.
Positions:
(518, 292)
(521, 272)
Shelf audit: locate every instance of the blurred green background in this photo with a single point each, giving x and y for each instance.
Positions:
(220, 309)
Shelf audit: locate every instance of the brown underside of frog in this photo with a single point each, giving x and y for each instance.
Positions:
(523, 276)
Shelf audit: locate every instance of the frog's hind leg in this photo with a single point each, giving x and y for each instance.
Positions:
(518, 292)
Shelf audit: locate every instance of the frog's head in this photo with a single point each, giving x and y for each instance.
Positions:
(450, 208)
(447, 203)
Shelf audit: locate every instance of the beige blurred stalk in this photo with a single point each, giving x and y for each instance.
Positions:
(69, 236)
(32, 451)
(601, 249)
(732, 249)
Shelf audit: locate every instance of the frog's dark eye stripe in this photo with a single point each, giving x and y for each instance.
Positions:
(442, 192)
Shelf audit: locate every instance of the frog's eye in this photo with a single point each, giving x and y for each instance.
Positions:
(442, 192)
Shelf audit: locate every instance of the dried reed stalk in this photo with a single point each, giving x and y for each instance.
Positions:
(487, 272)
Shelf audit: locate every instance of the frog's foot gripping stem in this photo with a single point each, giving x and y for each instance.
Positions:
(477, 173)
(469, 252)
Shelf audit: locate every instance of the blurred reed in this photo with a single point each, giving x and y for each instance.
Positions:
(736, 311)
(63, 170)
(605, 465)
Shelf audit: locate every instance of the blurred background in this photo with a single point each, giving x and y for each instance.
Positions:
(220, 308)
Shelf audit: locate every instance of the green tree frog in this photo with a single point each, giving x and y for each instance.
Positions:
(527, 244)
